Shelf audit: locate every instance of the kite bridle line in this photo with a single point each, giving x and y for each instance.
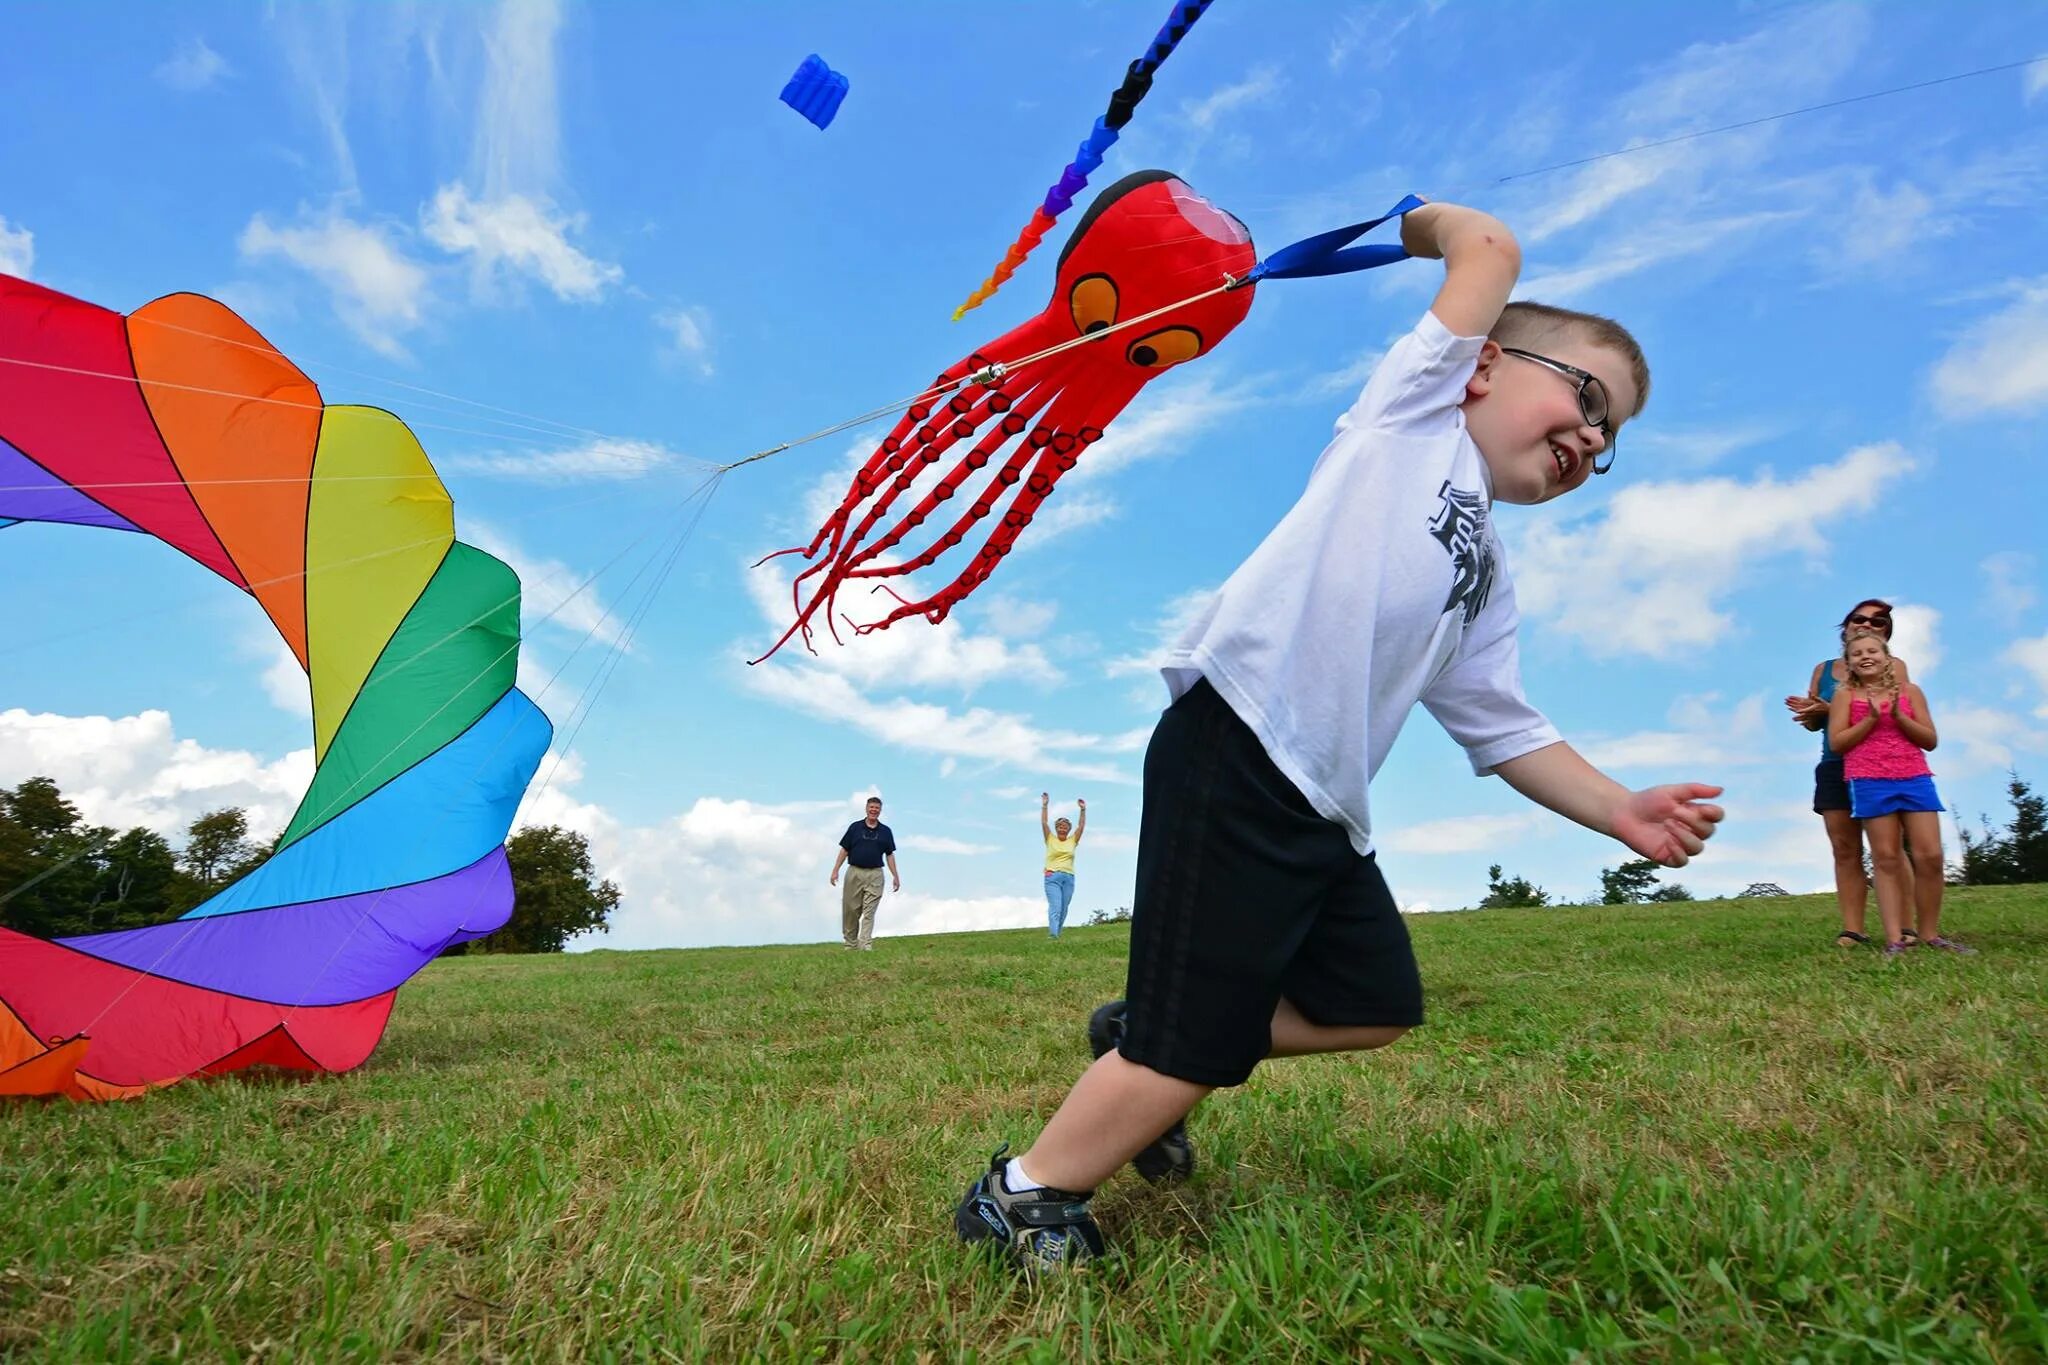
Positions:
(705, 488)
(87, 373)
(565, 428)
(587, 703)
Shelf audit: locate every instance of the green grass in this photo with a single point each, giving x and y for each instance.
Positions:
(1654, 1133)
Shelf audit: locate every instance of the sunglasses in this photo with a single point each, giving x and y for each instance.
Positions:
(1593, 405)
(1859, 619)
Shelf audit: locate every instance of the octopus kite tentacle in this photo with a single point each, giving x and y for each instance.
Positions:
(1127, 306)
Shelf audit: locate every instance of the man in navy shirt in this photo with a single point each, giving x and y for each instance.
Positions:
(866, 845)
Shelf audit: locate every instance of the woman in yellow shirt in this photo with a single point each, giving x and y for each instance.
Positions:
(1061, 839)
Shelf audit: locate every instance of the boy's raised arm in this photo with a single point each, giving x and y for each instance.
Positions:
(1668, 824)
(1481, 261)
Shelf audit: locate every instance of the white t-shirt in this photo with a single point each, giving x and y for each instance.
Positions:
(1383, 586)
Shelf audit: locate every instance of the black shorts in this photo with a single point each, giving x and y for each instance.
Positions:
(1246, 894)
(1830, 788)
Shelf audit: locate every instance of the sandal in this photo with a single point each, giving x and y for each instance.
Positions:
(1909, 936)
(1855, 939)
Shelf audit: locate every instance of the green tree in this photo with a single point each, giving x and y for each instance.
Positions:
(1511, 892)
(555, 893)
(2020, 854)
(218, 849)
(50, 861)
(1631, 883)
(137, 882)
(1669, 894)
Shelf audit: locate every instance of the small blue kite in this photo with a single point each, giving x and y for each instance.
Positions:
(815, 91)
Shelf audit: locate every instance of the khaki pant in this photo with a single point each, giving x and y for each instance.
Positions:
(860, 891)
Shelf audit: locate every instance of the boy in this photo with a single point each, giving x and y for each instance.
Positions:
(1262, 927)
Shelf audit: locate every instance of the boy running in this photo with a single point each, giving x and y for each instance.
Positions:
(1261, 925)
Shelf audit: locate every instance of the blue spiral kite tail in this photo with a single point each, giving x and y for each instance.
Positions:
(1088, 157)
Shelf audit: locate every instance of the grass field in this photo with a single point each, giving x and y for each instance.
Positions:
(1650, 1133)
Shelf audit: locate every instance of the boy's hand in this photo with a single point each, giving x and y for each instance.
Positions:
(1668, 824)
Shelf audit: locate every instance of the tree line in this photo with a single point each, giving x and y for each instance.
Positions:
(2017, 854)
(63, 877)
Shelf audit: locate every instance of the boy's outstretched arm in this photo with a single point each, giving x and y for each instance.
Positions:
(1665, 824)
(1481, 260)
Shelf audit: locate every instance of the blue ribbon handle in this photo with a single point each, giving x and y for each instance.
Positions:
(1331, 253)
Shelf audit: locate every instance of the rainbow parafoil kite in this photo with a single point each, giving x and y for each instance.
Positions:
(181, 422)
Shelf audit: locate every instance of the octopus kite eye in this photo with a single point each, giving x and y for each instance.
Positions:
(1167, 346)
(1093, 301)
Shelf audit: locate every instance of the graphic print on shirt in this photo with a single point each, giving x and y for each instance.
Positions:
(1460, 526)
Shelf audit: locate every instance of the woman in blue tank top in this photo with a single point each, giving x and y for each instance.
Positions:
(1831, 789)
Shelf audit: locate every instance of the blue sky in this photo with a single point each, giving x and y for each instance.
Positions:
(599, 222)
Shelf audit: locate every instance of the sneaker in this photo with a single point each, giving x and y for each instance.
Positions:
(1900, 946)
(1170, 1157)
(1039, 1230)
(1947, 945)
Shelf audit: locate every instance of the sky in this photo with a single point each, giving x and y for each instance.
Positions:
(590, 257)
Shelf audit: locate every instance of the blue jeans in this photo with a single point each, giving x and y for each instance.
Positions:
(1059, 894)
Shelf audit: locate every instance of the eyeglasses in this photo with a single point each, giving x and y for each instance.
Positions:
(1592, 402)
(1859, 619)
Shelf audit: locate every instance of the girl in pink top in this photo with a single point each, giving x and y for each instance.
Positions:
(1883, 731)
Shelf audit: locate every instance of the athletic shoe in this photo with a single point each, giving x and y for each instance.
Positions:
(1169, 1158)
(1948, 945)
(1039, 1230)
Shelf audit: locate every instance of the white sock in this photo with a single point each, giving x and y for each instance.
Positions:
(1016, 1181)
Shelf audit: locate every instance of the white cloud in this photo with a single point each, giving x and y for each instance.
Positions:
(1982, 739)
(1462, 834)
(1649, 245)
(2034, 81)
(2000, 365)
(134, 770)
(976, 733)
(194, 66)
(284, 682)
(1260, 85)
(377, 289)
(1700, 733)
(1916, 638)
(689, 337)
(2009, 583)
(1348, 381)
(933, 843)
(1015, 617)
(17, 250)
(316, 48)
(1646, 573)
(518, 131)
(1162, 421)
(1700, 446)
(2032, 657)
(1881, 226)
(1180, 614)
(603, 458)
(551, 593)
(515, 235)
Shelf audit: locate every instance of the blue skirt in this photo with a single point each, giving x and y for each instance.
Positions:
(1874, 796)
